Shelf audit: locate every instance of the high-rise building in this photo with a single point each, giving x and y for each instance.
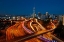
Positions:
(34, 14)
(63, 19)
(46, 13)
(60, 17)
(39, 15)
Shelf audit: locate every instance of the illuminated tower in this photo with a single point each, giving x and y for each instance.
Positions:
(47, 15)
(34, 12)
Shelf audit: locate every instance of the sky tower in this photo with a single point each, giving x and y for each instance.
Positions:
(34, 12)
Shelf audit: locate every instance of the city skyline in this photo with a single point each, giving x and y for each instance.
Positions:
(25, 7)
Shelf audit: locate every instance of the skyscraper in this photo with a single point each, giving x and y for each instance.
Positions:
(47, 15)
(63, 19)
(34, 14)
(39, 15)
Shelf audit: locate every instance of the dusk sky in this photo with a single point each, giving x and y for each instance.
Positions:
(26, 6)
